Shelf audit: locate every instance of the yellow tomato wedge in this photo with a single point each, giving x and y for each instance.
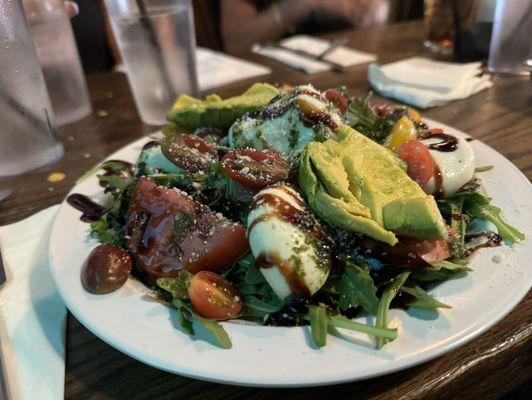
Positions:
(403, 131)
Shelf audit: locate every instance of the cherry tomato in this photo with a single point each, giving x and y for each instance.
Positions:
(402, 131)
(190, 152)
(256, 168)
(419, 161)
(166, 231)
(337, 98)
(106, 269)
(213, 296)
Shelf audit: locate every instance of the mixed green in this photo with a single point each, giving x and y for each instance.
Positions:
(295, 207)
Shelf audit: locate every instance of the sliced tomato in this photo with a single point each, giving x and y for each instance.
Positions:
(166, 230)
(420, 165)
(256, 168)
(214, 296)
(430, 251)
(190, 152)
(337, 98)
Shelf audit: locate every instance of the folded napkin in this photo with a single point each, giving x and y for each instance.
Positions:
(425, 83)
(32, 315)
(218, 69)
(343, 56)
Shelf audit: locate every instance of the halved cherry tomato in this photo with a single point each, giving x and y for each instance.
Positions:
(190, 152)
(337, 98)
(256, 168)
(213, 296)
(402, 131)
(418, 160)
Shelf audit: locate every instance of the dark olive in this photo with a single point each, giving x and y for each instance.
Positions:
(106, 269)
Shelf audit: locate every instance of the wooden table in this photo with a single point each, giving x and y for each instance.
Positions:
(494, 364)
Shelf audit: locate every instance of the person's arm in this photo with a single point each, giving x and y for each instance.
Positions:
(242, 25)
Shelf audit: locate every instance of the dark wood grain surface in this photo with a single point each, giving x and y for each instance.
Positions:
(496, 363)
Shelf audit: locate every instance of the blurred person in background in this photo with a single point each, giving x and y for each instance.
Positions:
(245, 22)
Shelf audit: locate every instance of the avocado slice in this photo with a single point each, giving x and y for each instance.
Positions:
(358, 185)
(216, 112)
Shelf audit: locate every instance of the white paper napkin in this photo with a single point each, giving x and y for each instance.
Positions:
(32, 315)
(217, 69)
(425, 83)
(344, 56)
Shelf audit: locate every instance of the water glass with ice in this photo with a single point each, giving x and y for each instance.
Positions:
(27, 130)
(157, 43)
(58, 54)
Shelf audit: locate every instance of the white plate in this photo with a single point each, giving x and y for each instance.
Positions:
(281, 357)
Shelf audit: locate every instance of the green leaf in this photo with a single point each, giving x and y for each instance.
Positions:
(255, 307)
(384, 304)
(217, 331)
(185, 320)
(318, 324)
(356, 288)
(484, 168)
(361, 117)
(440, 271)
(253, 276)
(423, 299)
(187, 316)
(178, 286)
(116, 182)
(493, 214)
(339, 321)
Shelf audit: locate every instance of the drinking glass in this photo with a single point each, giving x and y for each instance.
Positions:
(511, 39)
(58, 54)
(27, 130)
(441, 19)
(157, 43)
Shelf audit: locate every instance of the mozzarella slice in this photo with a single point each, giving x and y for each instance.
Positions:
(456, 167)
(291, 259)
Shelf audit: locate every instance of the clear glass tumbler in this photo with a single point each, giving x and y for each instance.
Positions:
(511, 38)
(27, 130)
(157, 42)
(59, 58)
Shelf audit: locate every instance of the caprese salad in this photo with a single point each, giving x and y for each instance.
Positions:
(291, 207)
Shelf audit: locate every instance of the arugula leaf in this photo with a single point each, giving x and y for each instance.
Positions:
(253, 276)
(356, 288)
(187, 316)
(384, 304)
(361, 117)
(178, 286)
(440, 271)
(423, 299)
(484, 168)
(321, 320)
(493, 214)
(318, 324)
(104, 232)
(255, 307)
(477, 205)
(339, 321)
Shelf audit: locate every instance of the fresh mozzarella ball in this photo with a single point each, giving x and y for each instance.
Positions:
(290, 257)
(456, 167)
